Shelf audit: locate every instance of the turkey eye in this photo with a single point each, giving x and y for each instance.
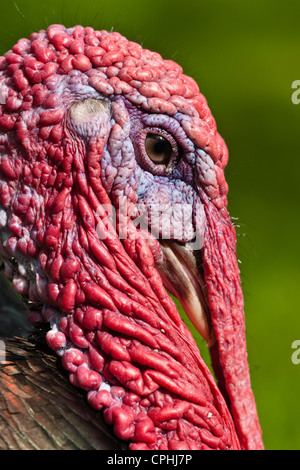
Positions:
(158, 148)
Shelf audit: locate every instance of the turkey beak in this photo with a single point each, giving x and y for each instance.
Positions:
(182, 275)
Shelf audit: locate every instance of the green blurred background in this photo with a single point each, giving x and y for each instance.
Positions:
(245, 56)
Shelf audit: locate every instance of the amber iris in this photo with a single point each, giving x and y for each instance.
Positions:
(158, 149)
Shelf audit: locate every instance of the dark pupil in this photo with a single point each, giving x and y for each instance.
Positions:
(158, 148)
(160, 145)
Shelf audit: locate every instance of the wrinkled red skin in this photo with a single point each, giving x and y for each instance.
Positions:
(117, 331)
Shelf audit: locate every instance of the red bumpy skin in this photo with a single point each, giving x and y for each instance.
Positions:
(76, 105)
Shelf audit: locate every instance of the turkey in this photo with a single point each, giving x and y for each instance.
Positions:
(113, 197)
